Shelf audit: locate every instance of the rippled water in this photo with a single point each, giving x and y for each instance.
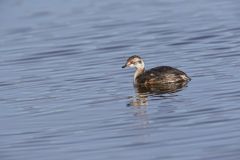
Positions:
(64, 95)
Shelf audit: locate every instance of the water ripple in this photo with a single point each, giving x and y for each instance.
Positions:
(64, 94)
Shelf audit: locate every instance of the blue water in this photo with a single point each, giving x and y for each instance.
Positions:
(64, 95)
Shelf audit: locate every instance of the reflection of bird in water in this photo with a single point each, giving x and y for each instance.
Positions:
(139, 100)
(142, 92)
(158, 80)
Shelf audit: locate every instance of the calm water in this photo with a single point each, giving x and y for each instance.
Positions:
(64, 95)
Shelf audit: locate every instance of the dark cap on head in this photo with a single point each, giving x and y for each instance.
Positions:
(134, 56)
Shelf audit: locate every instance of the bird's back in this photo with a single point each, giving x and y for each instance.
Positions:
(162, 74)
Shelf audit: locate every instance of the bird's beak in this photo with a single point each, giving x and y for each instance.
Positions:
(124, 66)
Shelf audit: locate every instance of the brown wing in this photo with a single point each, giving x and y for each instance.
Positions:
(163, 74)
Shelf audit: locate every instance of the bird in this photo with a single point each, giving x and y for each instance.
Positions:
(156, 76)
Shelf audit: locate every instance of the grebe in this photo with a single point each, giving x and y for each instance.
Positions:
(157, 75)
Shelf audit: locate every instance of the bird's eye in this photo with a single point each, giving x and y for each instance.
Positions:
(140, 62)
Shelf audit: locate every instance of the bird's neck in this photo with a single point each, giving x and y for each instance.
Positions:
(138, 72)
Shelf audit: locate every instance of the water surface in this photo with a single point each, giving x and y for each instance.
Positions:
(64, 95)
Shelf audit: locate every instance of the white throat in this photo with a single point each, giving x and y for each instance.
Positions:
(136, 74)
(139, 70)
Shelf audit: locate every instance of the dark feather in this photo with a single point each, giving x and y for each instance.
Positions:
(162, 74)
